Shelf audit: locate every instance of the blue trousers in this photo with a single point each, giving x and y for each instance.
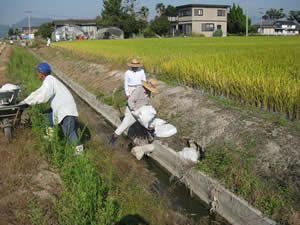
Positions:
(67, 125)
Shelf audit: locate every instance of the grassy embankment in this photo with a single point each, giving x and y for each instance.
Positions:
(95, 188)
(260, 71)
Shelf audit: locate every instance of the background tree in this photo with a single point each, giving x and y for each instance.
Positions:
(129, 7)
(16, 31)
(122, 15)
(170, 11)
(274, 14)
(111, 13)
(98, 21)
(144, 13)
(160, 9)
(294, 15)
(160, 25)
(10, 31)
(45, 30)
(236, 21)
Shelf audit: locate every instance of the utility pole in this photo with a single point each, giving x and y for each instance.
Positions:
(246, 18)
(261, 18)
(28, 12)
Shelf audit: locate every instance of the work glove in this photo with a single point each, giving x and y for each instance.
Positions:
(113, 139)
(151, 132)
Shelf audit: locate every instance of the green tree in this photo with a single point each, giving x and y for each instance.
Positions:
(10, 31)
(294, 15)
(236, 21)
(45, 30)
(129, 7)
(122, 15)
(274, 14)
(170, 11)
(16, 31)
(111, 13)
(131, 26)
(144, 12)
(160, 25)
(98, 21)
(160, 9)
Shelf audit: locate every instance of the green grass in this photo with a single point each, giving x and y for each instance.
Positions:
(261, 71)
(234, 168)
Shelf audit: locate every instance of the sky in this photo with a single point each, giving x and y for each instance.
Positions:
(12, 11)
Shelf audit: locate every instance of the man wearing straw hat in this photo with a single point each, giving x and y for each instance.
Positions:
(139, 108)
(134, 76)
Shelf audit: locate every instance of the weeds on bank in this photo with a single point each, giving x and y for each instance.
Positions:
(277, 118)
(117, 99)
(234, 168)
(36, 213)
(86, 197)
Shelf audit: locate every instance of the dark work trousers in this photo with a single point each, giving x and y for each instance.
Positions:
(67, 125)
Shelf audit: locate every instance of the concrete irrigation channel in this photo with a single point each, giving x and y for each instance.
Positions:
(234, 209)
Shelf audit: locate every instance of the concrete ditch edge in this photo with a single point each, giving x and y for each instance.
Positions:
(234, 209)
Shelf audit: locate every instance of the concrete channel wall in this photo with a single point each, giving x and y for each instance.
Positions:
(234, 209)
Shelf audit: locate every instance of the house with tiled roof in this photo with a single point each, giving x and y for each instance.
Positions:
(278, 27)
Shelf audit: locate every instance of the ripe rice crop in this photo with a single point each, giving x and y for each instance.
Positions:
(261, 71)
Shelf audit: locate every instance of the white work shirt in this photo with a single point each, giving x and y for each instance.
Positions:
(58, 96)
(133, 79)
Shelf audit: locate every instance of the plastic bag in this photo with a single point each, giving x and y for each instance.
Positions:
(9, 87)
(165, 130)
(13, 89)
(156, 122)
(145, 115)
(189, 154)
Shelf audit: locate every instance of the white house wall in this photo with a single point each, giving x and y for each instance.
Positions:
(210, 15)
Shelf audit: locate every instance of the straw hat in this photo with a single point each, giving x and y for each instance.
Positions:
(150, 85)
(135, 63)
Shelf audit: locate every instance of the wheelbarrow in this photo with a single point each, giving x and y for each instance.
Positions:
(10, 112)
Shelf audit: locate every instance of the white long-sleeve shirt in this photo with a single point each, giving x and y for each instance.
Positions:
(133, 79)
(59, 97)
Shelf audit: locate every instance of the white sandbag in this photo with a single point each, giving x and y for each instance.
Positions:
(139, 151)
(189, 154)
(9, 87)
(165, 130)
(156, 122)
(145, 115)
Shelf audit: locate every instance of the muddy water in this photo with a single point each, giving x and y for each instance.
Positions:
(178, 195)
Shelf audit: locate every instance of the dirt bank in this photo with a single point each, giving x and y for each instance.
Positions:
(271, 143)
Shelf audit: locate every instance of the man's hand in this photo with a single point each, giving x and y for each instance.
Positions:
(113, 139)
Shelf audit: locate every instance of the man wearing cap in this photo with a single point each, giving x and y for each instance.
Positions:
(134, 76)
(63, 107)
(139, 108)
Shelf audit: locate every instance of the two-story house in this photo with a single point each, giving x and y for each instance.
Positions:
(200, 18)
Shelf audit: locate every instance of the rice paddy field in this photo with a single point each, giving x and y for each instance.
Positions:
(260, 71)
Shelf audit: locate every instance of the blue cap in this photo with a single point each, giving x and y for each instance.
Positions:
(44, 68)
